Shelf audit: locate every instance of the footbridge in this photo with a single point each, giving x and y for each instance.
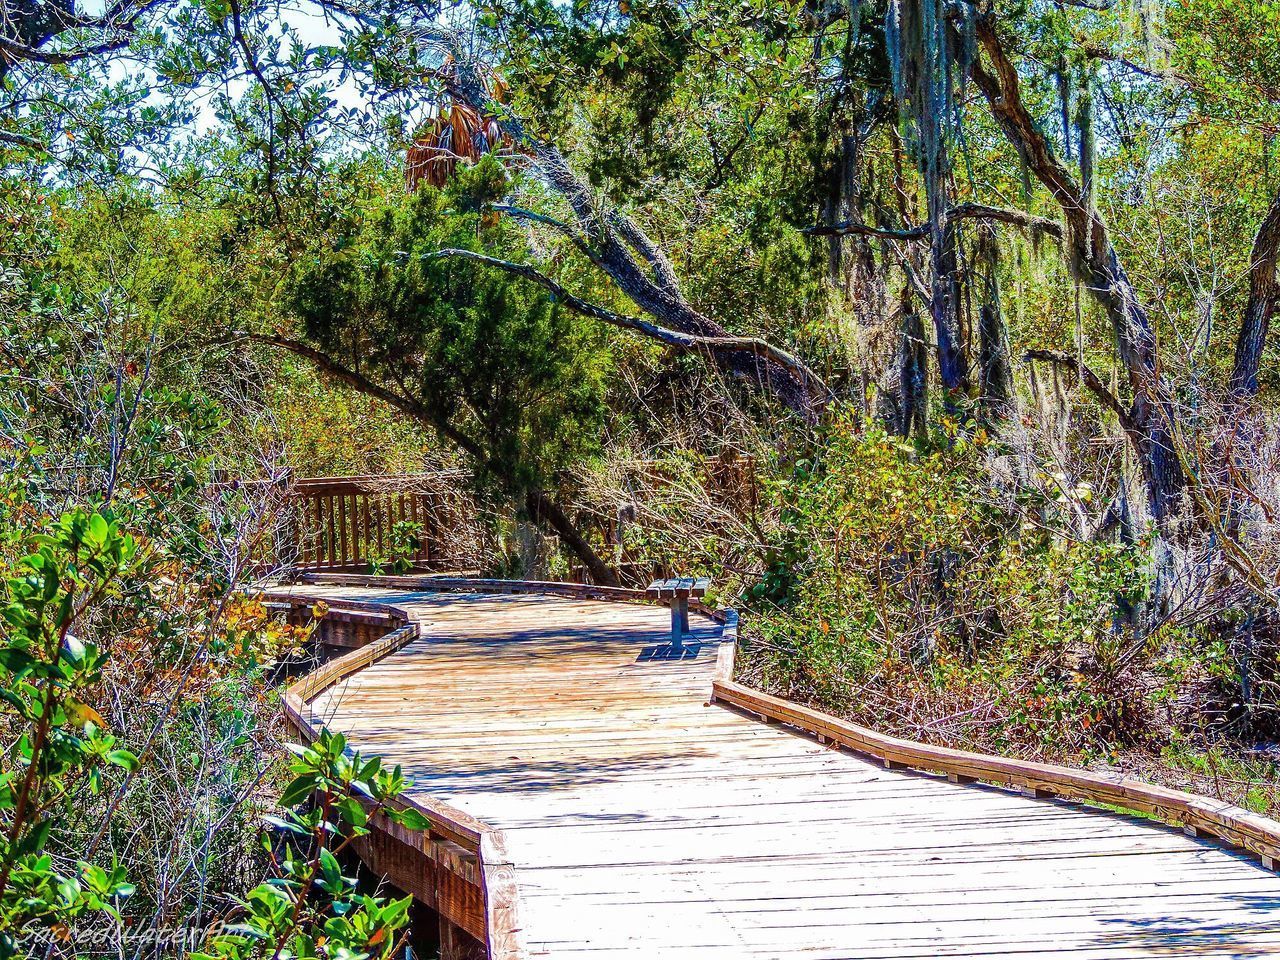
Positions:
(592, 796)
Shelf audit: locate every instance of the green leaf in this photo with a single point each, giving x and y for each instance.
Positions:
(353, 812)
(14, 660)
(288, 826)
(331, 870)
(411, 818)
(299, 790)
(123, 758)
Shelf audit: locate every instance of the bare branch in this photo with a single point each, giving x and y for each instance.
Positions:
(352, 378)
(20, 51)
(569, 230)
(963, 211)
(114, 28)
(21, 140)
(639, 241)
(690, 343)
(1016, 218)
(1095, 52)
(1092, 382)
(853, 228)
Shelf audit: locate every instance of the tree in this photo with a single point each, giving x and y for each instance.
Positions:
(614, 243)
(491, 361)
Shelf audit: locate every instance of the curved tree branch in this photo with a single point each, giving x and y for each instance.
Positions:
(1092, 382)
(12, 50)
(1095, 260)
(567, 229)
(625, 253)
(1264, 300)
(687, 342)
(962, 211)
(852, 228)
(21, 140)
(1015, 218)
(111, 31)
(353, 378)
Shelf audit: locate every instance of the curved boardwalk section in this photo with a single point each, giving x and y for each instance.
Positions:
(642, 822)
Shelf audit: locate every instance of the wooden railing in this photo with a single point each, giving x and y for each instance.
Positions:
(470, 879)
(355, 523)
(459, 866)
(397, 523)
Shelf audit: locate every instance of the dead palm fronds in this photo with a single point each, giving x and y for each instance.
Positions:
(459, 132)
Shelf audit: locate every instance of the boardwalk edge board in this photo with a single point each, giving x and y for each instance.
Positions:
(1198, 815)
(1215, 818)
(450, 827)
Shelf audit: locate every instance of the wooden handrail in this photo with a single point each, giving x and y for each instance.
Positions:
(1199, 815)
(347, 522)
(497, 875)
(376, 479)
(445, 584)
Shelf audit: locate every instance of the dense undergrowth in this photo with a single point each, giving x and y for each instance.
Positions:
(908, 590)
(141, 743)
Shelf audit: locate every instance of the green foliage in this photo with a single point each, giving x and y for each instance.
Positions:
(310, 908)
(491, 361)
(1232, 50)
(404, 540)
(917, 580)
(58, 743)
(61, 759)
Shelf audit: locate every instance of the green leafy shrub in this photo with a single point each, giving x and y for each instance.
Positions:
(58, 745)
(309, 907)
(906, 588)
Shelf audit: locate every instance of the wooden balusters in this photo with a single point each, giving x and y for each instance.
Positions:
(349, 522)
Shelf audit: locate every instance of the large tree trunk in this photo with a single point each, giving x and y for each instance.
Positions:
(996, 397)
(1236, 431)
(995, 386)
(944, 306)
(543, 509)
(1095, 260)
(1264, 299)
(1261, 619)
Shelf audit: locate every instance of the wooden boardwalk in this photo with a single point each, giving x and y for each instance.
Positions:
(644, 823)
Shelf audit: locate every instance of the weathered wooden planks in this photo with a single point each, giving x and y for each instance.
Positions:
(458, 867)
(638, 821)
